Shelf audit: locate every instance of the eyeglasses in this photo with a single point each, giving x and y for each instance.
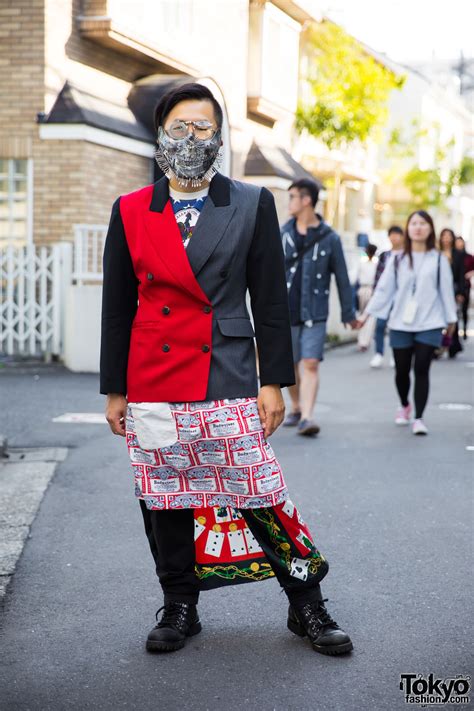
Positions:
(202, 130)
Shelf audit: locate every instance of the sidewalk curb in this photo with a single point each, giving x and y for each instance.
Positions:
(19, 503)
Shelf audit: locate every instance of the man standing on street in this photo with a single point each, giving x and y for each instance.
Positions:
(178, 367)
(313, 252)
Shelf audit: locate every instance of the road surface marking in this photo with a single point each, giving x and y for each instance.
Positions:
(79, 418)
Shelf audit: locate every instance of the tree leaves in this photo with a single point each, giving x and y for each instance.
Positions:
(349, 88)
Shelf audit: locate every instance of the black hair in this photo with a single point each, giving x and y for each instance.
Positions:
(395, 228)
(185, 92)
(450, 233)
(371, 249)
(430, 242)
(306, 186)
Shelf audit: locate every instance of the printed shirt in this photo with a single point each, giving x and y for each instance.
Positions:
(187, 208)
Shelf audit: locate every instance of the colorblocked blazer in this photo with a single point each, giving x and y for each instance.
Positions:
(175, 323)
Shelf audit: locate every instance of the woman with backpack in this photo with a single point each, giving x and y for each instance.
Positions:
(416, 289)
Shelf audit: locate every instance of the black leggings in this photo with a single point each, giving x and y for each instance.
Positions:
(465, 308)
(403, 359)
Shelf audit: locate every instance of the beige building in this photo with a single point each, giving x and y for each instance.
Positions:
(438, 126)
(79, 80)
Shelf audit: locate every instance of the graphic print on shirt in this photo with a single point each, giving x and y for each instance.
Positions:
(187, 212)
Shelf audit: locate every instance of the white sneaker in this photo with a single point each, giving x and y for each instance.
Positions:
(377, 361)
(419, 428)
(403, 416)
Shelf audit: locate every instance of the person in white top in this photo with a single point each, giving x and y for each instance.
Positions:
(416, 290)
(365, 279)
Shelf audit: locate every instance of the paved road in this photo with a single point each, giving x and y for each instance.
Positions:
(392, 513)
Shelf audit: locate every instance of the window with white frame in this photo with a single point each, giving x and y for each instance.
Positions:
(273, 55)
(280, 56)
(15, 201)
(159, 23)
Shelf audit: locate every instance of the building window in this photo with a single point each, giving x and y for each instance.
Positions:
(159, 23)
(273, 58)
(15, 201)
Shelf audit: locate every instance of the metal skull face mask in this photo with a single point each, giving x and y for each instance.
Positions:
(191, 160)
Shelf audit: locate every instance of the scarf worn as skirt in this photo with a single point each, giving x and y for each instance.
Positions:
(221, 462)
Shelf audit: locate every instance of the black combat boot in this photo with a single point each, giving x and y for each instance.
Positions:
(179, 621)
(314, 621)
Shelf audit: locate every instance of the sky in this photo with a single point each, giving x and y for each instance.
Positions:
(417, 30)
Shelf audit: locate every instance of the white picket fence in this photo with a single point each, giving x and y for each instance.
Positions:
(33, 281)
(89, 241)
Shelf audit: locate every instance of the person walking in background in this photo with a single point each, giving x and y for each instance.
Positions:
(416, 290)
(396, 237)
(365, 279)
(447, 240)
(468, 263)
(313, 252)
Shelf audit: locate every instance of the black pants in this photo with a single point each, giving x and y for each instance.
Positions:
(455, 346)
(422, 354)
(171, 538)
(465, 308)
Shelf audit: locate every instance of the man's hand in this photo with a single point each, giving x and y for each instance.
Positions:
(271, 408)
(460, 298)
(115, 411)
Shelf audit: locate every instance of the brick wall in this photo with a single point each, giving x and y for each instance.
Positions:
(77, 182)
(21, 73)
(74, 181)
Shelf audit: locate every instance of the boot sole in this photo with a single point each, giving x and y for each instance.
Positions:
(163, 646)
(333, 650)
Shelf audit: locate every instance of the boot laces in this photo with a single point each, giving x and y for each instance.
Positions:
(174, 614)
(317, 616)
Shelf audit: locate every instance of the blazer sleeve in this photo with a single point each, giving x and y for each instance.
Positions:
(266, 283)
(119, 305)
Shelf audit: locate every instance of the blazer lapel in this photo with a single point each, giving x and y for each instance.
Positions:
(212, 223)
(165, 238)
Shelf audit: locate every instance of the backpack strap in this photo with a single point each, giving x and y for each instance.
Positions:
(395, 266)
(438, 275)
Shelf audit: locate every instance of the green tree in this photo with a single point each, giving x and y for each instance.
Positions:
(349, 88)
(464, 173)
(426, 187)
(431, 186)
